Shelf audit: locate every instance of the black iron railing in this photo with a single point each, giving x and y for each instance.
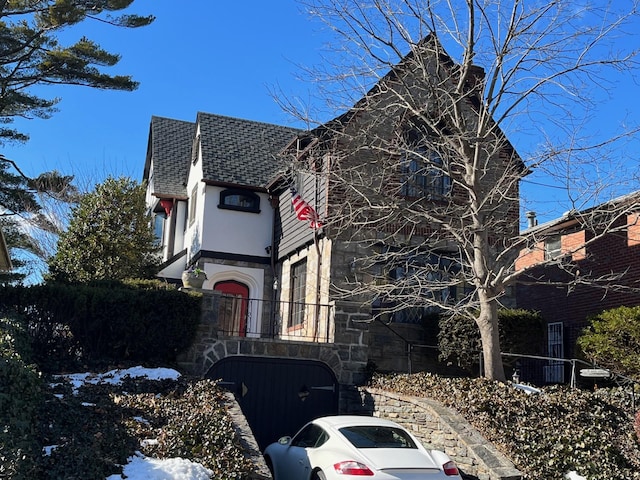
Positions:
(237, 316)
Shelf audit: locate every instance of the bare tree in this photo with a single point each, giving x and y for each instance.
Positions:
(423, 173)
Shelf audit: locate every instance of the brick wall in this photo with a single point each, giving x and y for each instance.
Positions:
(614, 253)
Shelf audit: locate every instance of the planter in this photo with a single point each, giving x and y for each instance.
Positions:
(191, 280)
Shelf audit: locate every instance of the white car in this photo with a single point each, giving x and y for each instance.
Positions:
(348, 447)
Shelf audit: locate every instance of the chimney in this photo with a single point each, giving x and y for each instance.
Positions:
(531, 219)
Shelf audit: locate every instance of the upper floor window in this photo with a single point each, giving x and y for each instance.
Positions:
(158, 228)
(423, 175)
(243, 200)
(552, 247)
(193, 204)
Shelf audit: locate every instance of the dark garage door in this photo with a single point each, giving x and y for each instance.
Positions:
(278, 395)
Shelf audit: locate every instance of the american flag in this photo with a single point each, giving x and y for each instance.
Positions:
(304, 211)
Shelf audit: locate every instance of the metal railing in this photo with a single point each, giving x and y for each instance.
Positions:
(236, 316)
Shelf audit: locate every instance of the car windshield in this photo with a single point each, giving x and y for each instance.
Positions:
(377, 437)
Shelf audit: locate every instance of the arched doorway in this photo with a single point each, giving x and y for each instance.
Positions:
(233, 307)
(278, 395)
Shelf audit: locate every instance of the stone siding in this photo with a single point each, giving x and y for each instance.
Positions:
(347, 356)
(442, 429)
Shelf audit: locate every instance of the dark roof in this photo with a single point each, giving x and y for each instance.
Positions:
(170, 143)
(241, 152)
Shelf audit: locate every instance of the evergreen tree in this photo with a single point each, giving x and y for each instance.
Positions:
(109, 236)
(22, 219)
(31, 55)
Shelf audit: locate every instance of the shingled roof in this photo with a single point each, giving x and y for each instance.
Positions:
(170, 143)
(241, 152)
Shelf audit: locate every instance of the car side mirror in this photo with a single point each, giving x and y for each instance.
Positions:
(284, 440)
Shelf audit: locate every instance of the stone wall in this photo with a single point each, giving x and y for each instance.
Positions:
(441, 429)
(347, 356)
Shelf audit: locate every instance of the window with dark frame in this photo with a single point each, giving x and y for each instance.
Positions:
(298, 279)
(423, 175)
(240, 200)
(436, 268)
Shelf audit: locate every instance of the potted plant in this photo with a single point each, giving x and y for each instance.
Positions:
(193, 277)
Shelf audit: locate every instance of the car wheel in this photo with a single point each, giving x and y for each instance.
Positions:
(318, 475)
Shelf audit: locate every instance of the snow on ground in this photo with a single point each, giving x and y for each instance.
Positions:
(145, 468)
(139, 466)
(574, 476)
(115, 377)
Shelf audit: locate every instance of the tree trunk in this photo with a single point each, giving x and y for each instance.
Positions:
(489, 333)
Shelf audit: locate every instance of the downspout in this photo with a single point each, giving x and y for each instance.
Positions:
(275, 206)
(318, 269)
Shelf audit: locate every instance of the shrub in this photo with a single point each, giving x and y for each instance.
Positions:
(521, 331)
(613, 340)
(545, 435)
(20, 399)
(108, 321)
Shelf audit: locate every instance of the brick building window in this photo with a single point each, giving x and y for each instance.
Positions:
(552, 247)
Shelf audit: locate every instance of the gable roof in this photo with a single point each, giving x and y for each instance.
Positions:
(427, 46)
(240, 152)
(170, 144)
(621, 205)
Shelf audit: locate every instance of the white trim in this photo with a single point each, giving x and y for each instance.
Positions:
(252, 278)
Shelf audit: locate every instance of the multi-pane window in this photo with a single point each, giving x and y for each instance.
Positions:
(423, 175)
(298, 278)
(431, 277)
(552, 247)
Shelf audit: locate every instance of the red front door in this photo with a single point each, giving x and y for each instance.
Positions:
(233, 312)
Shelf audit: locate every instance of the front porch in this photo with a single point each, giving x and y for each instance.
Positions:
(335, 334)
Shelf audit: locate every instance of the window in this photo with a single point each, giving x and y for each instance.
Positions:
(298, 293)
(423, 175)
(195, 150)
(311, 436)
(193, 204)
(552, 247)
(158, 227)
(433, 278)
(242, 200)
(377, 437)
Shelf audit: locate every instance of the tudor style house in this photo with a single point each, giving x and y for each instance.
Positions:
(207, 191)
(602, 244)
(248, 202)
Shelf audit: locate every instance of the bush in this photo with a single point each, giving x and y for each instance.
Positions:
(20, 400)
(100, 427)
(613, 340)
(521, 331)
(546, 435)
(72, 325)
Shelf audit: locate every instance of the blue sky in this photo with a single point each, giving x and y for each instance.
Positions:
(219, 57)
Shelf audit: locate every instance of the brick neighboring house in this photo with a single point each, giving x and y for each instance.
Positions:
(221, 198)
(600, 242)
